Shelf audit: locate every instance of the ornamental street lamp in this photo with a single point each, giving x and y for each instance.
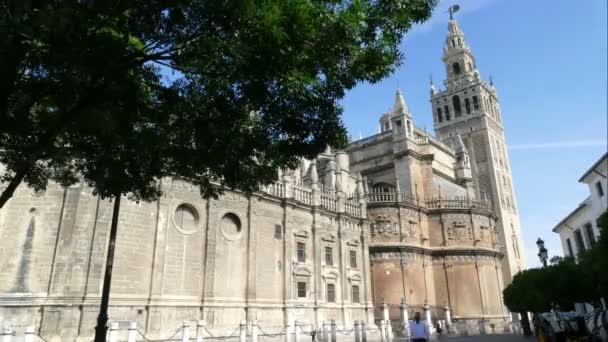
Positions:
(543, 254)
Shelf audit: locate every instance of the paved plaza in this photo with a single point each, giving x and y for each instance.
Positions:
(488, 338)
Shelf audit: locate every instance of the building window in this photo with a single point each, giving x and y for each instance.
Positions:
(600, 190)
(590, 235)
(301, 252)
(353, 259)
(301, 289)
(447, 113)
(467, 106)
(439, 116)
(456, 68)
(355, 293)
(569, 243)
(331, 293)
(185, 219)
(475, 103)
(329, 256)
(278, 231)
(580, 243)
(456, 105)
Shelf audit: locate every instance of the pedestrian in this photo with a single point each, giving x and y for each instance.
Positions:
(418, 330)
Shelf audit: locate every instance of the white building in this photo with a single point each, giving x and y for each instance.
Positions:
(578, 231)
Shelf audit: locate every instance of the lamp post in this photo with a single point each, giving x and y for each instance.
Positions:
(543, 255)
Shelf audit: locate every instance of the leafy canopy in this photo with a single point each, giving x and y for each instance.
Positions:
(565, 281)
(122, 93)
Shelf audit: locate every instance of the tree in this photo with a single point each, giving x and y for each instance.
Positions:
(225, 90)
(119, 94)
(594, 262)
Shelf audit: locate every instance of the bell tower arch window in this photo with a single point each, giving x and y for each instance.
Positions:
(467, 106)
(456, 105)
(439, 115)
(456, 68)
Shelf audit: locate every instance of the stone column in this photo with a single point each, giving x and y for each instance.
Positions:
(185, 331)
(405, 322)
(427, 315)
(448, 316)
(132, 337)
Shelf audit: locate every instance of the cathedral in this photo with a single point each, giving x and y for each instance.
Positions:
(398, 217)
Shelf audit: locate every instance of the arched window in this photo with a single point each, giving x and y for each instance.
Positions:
(447, 113)
(467, 106)
(439, 116)
(456, 68)
(475, 103)
(456, 105)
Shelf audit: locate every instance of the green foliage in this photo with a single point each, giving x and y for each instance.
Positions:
(594, 262)
(122, 93)
(564, 282)
(539, 289)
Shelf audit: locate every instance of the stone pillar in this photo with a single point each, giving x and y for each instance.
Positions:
(333, 330)
(363, 331)
(385, 311)
(132, 337)
(405, 321)
(113, 332)
(243, 331)
(296, 328)
(324, 332)
(382, 330)
(7, 333)
(288, 331)
(254, 330)
(30, 332)
(357, 329)
(427, 315)
(199, 331)
(448, 316)
(185, 331)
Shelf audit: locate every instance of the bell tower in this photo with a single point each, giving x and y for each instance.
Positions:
(467, 112)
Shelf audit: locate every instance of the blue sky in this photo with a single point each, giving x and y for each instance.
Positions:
(548, 61)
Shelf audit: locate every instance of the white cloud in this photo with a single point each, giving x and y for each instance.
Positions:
(559, 144)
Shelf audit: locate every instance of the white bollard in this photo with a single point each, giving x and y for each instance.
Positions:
(325, 332)
(254, 331)
(389, 331)
(113, 332)
(385, 311)
(448, 317)
(288, 332)
(199, 331)
(185, 331)
(334, 329)
(363, 331)
(427, 315)
(296, 327)
(382, 331)
(7, 333)
(405, 320)
(30, 332)
(357, 329)
(243, 332)
(132, 337)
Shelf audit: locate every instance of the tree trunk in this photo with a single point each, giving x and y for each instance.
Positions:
(525, 324)
(12, 186)
(102, 319)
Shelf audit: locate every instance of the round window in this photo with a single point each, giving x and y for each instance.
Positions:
(230, 225)
(185, 219)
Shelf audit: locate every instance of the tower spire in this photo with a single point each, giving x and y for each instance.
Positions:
(400, 107)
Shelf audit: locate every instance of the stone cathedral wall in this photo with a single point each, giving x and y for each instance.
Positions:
(179, 258)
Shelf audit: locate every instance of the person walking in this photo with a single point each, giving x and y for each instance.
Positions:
(418, 330)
